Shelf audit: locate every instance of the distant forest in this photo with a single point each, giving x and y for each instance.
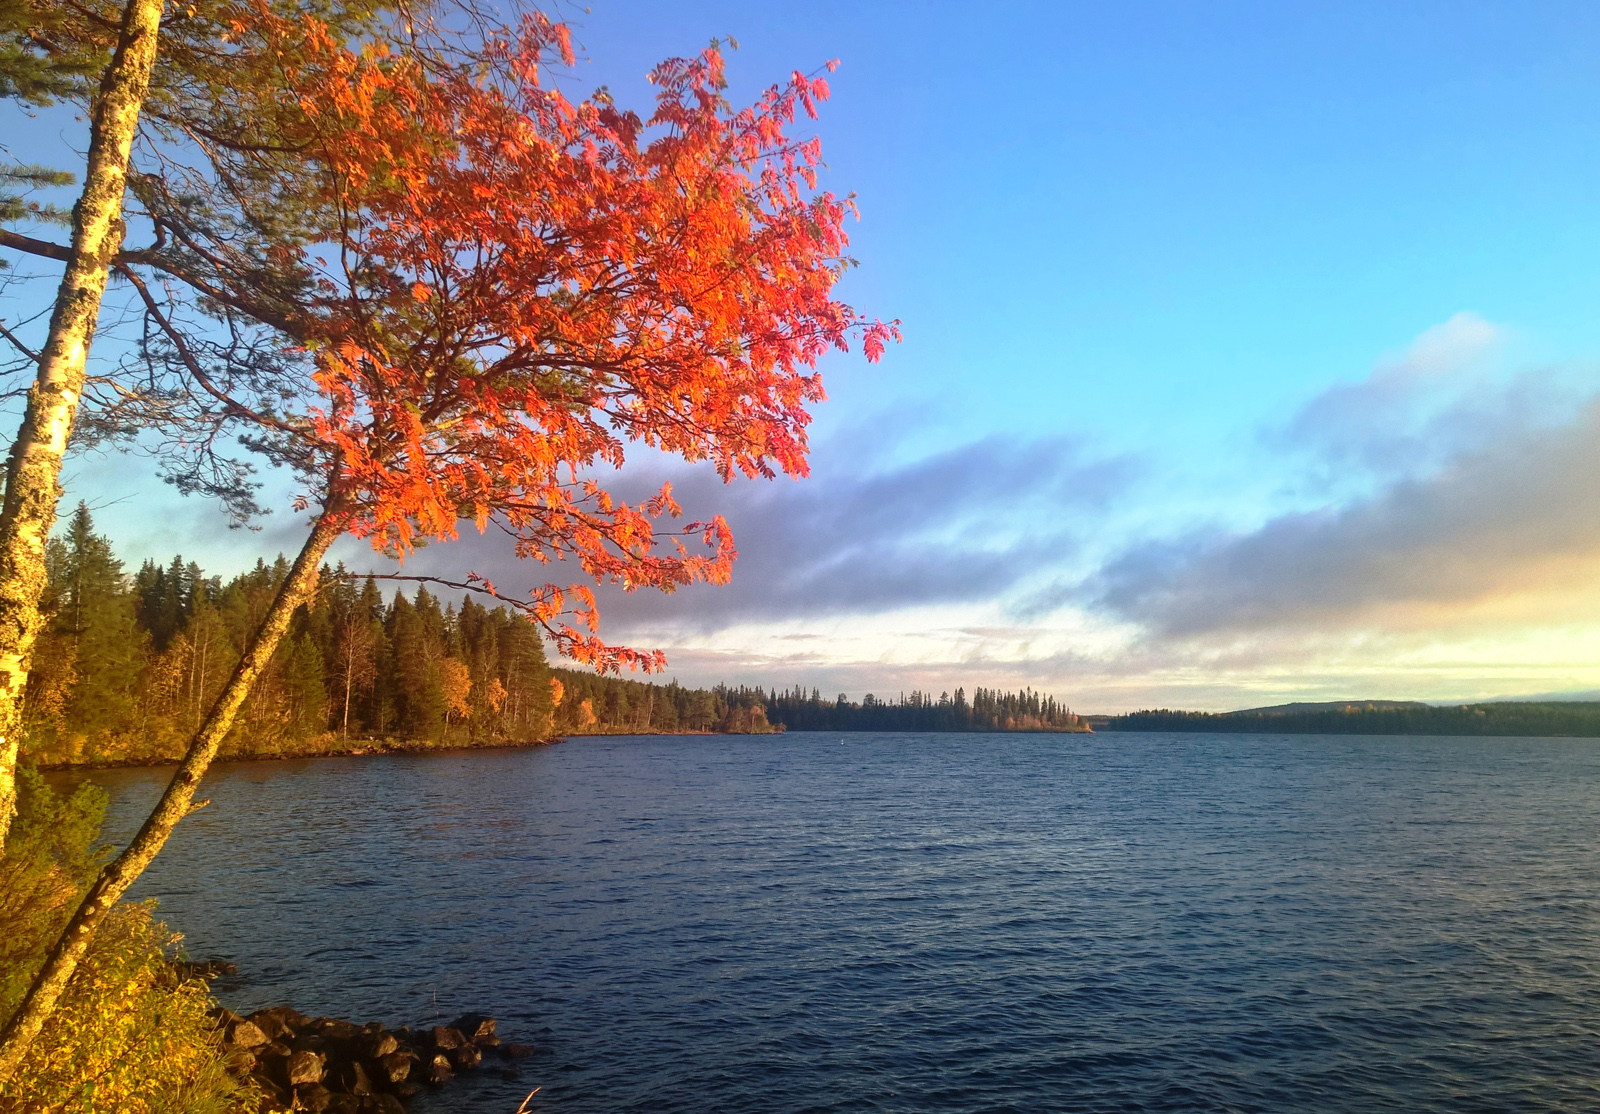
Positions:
(129, 663)
(989, 710)
(1542, 718)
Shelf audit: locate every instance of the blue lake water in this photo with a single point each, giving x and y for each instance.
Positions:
(905, 922)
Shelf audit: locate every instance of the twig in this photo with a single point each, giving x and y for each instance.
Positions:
(523, 1109)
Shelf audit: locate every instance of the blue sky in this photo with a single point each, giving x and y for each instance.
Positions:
(1251, 354)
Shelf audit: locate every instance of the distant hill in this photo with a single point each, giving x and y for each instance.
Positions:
(1341, 706)
(1567, 718)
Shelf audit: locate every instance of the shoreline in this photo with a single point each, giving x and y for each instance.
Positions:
(231, 759)
(370, 748)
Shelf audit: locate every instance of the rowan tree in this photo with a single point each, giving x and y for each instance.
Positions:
(518, 288)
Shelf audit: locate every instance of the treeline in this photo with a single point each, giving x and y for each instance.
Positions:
(989, 710)
(1549, 718)
(596, 705)
(129, 664)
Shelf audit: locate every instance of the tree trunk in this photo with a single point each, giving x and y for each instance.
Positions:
(32, 474)
(175, 804)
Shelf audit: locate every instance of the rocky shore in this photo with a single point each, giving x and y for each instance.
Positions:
(324, 1064)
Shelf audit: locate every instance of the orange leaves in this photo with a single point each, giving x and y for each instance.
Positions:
(541, 283)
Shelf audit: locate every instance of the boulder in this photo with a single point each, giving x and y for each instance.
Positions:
(375, 1046)
(466, 1058)
(205, 971)
(309, 1041)
(305, 1066)
(385, 1104)
(312, 1097)
(247, 1034)
(515, 1051)
(476, 1027)
(355, 1080)
(405, 1089)
(394, 1067)
(332, 1028)
(445, 1038)
(344, 1104)
(271, 1024)
(437, 1070)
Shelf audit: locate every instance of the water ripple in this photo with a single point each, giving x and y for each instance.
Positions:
(934, 923)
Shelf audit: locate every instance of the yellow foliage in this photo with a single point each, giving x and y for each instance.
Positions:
(457, 685)
(125, 1038)
(495, 694)
(127, 1035)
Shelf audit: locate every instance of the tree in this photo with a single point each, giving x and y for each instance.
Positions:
(34, 468)
(525, 285)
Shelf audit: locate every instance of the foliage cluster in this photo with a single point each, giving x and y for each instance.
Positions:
(1511, 718)
(129, 1035)
(989, 710)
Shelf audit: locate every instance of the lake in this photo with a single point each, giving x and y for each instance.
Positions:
(905, 922)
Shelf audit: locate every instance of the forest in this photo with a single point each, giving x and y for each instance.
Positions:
(989, 710)
(1509, 718)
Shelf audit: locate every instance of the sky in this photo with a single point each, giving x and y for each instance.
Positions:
(1252, 354)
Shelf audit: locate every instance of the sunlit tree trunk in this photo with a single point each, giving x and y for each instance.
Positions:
(33, 472)
(176, 803)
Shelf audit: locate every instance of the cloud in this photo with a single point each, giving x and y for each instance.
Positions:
(867, 533)
(1505, 531)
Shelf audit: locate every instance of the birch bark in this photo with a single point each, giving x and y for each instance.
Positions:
(33, 472)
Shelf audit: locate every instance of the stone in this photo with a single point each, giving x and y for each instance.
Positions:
(377, 1045)
(387, 1104)
(247, 1034)
(405, 1089)
(474, 1026)
(312, 1097)
(205, 970)
(309, 1042)
(395, 1066)
(515, 1051)
(355, 1079)
(305, 1066)
(223, 1017)
(437, 1070)
(333, 1028)
(273, 1050)
(271, 1024)
(445, 1038)
(287, 1016)
(466, 1058)
(344, 1104)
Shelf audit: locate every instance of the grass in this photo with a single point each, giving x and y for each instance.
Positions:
(130, 1035)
